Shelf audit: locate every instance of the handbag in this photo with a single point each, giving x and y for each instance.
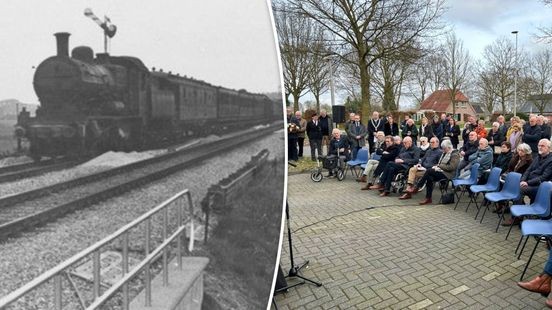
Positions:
(447, 198)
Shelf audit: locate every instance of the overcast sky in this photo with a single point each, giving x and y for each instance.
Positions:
(224, 42)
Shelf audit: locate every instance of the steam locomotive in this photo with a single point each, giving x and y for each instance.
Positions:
(89, 105)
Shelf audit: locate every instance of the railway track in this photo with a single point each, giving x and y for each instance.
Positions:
(27, 210)
(21, 171)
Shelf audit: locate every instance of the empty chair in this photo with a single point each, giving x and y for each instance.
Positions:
(362, 158)
(510, 191)
(539, 208)
(534, 228)
(492, 185)
(464, 183)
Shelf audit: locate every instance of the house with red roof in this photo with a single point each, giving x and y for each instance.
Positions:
(440, 102)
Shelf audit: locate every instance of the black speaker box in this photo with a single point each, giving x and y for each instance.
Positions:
(338, 113)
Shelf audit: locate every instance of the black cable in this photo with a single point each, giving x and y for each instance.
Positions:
(332, 217)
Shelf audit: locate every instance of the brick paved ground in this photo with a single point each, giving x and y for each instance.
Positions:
(399, 255)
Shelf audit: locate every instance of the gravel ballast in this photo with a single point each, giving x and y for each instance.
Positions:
(29, 255)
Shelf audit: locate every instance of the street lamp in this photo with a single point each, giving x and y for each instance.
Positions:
(516, 73)
(332, 90)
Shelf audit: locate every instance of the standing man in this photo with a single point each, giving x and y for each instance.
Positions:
(327, 126)
(374, 125)
(301, 132)
(545, 128)
(532, 134)
(348, 123)
(469, 127)
(314, 132)
(357, 134)
(292, 128)
(502, 125)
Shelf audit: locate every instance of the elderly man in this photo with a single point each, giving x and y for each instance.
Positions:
(532, 134)
(470, 146)
(389, 152)
(545, 128)
(409, 156)
(374, 125)
(444, 169)
(357, 135)
(339, 146)
(301, 133)
(326, 125)
(410, 130)
(502, 125)
(539, 171)
(430, 159)
(483, 156)
(469, 127)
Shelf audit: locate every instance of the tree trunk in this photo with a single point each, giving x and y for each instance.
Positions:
(296, 101)
(317, 98)
(365, 107)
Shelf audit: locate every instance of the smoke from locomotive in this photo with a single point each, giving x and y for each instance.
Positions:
(93, 104)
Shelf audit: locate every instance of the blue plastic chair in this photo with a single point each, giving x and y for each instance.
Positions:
(492, 185)
(534, 228)
(539, 208)
(510, 191)
(464, 183)
(362, 158)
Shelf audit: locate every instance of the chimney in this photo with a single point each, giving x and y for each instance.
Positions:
(62, 40)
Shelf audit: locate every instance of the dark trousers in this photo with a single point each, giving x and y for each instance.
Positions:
(371, 143)
(530, 191)
(315, 145)
(292, 148)
(300, 143)
(429, 178)
(389, 173)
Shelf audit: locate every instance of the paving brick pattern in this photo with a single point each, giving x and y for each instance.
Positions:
(383, 253)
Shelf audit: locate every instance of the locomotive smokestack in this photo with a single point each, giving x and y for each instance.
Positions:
(62, 40)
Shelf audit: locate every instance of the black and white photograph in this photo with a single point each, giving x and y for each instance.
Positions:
(142, 154)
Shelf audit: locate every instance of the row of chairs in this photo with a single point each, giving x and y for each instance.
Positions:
(536, 217)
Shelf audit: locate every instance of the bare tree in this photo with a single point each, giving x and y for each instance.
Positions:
(540, 74)
(456, 66)
(498, 71)
(545, 32)
(359, 25)
(426, 75)
(319, 75)
(295, 33)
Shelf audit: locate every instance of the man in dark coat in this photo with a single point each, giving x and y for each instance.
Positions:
(375, 124)
(430, 159)
(326, 124)
(545, 128)
(357, 135)
(293, 126)
(314, 132)
(469, 147)
(408, 157)
(532, 134)
(469, 127)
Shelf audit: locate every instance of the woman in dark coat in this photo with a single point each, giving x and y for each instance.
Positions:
(437, 128)
(521, 160)
(452, 131)
(391, 128)
(426, 130)
(505, 156)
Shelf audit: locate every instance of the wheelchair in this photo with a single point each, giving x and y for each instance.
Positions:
(332, 163)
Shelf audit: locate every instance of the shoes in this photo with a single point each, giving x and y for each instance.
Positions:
(425, 201)
(412, 190)
(365, 187)
(539, 284)
(384, 194)
(549, 303)
(330, 175)
(377, 187)
(405, 196)
(362, 179)
(511, 222)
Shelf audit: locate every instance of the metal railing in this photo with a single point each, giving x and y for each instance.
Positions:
(95, 250)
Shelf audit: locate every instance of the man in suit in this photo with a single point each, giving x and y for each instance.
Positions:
(357, 135)
(374, 125)
(314, 132)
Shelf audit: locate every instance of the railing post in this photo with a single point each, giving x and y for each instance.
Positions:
(96, 274)
(57, 292)
(165, 256)
(148, 271)
(180, 210)
(125, 271)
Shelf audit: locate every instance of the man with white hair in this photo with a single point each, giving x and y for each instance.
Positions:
(495, 136)
(532, 134)
(539, 171)
(444, 169)
(545, 128)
